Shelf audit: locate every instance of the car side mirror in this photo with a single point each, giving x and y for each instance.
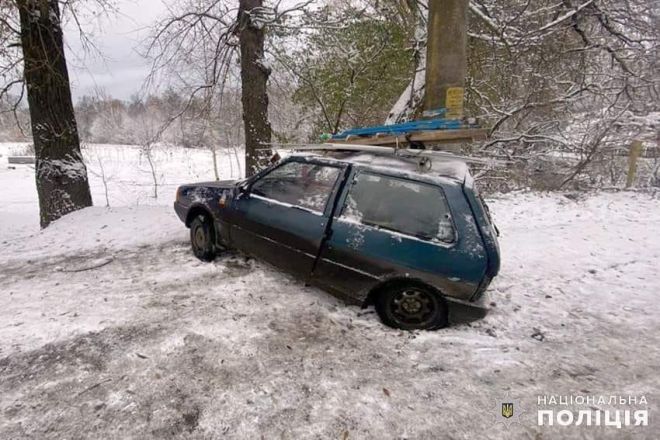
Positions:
(243, 190)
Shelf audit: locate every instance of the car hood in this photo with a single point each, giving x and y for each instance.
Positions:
(214, 184)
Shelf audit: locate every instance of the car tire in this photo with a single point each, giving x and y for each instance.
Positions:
(202, 238)
(411, 306)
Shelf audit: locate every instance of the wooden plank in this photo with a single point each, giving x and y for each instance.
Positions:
(403, 152)
(432, 136)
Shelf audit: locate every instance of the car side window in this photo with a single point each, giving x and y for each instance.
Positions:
(301, 184)
(412, 208)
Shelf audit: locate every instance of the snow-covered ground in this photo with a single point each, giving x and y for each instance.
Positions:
(112, 329)
(125, 170)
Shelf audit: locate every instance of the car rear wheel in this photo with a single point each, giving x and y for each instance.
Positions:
(202, 238)
(411, 307)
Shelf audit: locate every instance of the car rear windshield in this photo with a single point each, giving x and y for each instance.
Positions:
(409, 207)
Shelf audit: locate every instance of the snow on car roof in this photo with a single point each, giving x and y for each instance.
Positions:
(441, 167)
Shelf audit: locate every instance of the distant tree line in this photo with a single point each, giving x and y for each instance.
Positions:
(171, 116)
(168, 117)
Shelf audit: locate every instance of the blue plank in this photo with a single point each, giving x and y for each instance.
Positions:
(404, 128)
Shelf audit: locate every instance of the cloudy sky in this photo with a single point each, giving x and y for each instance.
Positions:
(119, 38)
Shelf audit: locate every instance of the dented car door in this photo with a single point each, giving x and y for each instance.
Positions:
(283, 215)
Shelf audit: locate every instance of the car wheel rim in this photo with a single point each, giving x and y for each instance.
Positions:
(413, 306)
(199, 238)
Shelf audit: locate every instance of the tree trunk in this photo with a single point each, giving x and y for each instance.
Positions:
(61, 174)
(254, 77)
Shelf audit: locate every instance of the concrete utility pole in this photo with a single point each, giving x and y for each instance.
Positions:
(446, 57)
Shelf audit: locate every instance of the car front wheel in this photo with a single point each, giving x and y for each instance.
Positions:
(202, 238)
(411, 307)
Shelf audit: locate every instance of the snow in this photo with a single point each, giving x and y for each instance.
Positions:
(286, 205)
(69, 167)
(443, 169)
(112, 329)
(125, 170)
(101, 230)
(412, 95)
(565, 16)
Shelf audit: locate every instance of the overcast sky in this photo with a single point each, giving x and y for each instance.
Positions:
(119, 38)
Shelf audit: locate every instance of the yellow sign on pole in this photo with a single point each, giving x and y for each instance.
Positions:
(454, 103)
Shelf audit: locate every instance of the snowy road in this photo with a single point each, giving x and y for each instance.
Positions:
(152, 343)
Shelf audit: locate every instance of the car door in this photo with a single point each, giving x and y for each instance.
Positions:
(388, 227)
(283, 215)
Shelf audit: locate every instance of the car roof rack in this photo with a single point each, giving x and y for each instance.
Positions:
(382, 150)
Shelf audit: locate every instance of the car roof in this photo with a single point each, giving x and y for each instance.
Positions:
(443, 168)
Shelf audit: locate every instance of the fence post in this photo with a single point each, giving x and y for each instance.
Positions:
(635, 151)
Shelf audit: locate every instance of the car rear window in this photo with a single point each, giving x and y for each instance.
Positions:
(409, 207)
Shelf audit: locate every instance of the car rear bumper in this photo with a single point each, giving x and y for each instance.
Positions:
(467, 311)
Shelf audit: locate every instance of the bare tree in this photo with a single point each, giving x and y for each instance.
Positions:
(61, 174)
(254, 79)
(227, 31)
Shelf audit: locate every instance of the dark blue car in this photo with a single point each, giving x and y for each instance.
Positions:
(370, 228)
